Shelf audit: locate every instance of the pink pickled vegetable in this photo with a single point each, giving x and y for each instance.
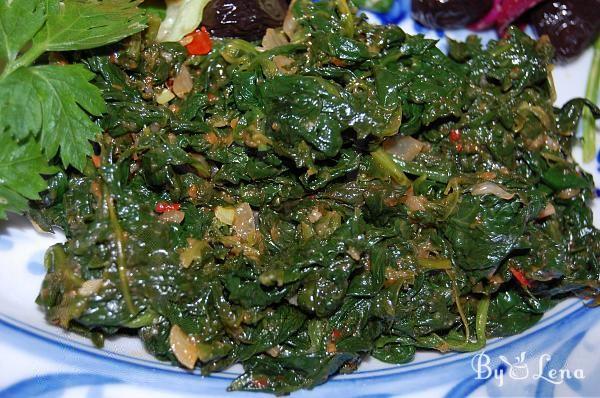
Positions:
(503, 13)
(512, 10)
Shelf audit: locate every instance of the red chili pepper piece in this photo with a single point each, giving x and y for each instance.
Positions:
(455, 135)
(201, 43)
(336, 334)
(211, 97)
(519, 276)
(97, 160)
(160, 207)
(260, 382)
(163, 207)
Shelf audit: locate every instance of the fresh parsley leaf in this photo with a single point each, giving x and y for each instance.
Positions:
(15, 98)
(19, 22)
(20, 169)
(48, 107)
(10, 201)
(84, 24)
(54, 100)
(63, 91)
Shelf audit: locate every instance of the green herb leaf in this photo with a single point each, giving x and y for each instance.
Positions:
(84, 24)
(21, 112)
(20, 163)
(53, 100)
(53, 104)
(19, 22)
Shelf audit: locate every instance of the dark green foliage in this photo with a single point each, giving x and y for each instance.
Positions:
(349, 250)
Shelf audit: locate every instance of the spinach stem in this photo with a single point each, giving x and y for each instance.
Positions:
(461, 312)
(434, 263)
(121, 261)
(385, 161)
(591, 93)
(346, 17)
(480, 326)
(481, 320)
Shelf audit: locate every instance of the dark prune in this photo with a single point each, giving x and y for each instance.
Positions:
(571, 25)
(449, 13)
(246, 19)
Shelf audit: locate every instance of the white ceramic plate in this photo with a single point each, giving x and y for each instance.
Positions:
(557, 357)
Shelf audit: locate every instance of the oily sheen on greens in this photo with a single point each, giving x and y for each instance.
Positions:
(268, 215)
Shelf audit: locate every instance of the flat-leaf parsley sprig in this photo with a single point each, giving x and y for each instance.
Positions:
(45, 109)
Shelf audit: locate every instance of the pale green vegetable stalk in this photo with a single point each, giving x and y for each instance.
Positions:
(183, 16)
(591, 93)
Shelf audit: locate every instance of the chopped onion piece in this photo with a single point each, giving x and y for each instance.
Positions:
(90, 287)
(243, 221)
(290, 25)
(491, 188)
(406, 148)
(547, 211)
(314, 215)
(293, 300)
(274, 351)
(186, 40)
(512, 10)
(182, 83)
(183, 347)
(415, 203)
(283, 63)
(175, 216)
(165, 96)
(225, 214)
(352, 252)
(273, 38)
(568, 193)
(195, 249)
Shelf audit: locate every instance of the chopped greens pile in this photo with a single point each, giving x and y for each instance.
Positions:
(342, 190)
